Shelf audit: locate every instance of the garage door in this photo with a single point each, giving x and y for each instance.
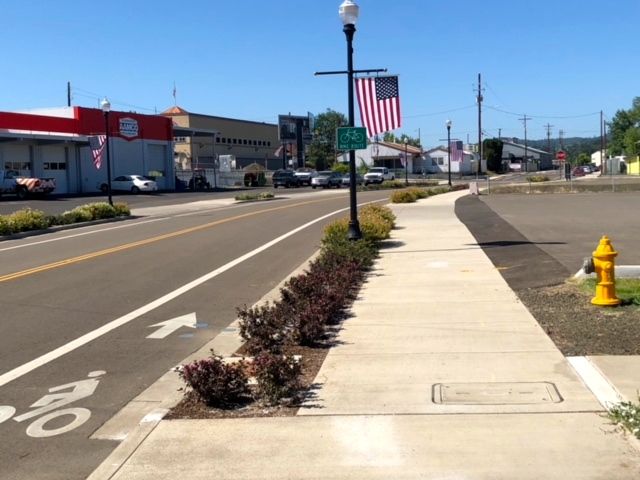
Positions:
(55, 166)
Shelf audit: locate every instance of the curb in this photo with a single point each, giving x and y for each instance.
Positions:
(150, 412)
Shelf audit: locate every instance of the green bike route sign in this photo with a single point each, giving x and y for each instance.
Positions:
(351, 138)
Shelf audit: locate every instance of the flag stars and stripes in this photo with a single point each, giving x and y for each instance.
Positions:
(97, 144)
(379, 101)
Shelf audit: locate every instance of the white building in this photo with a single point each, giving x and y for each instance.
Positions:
(437, 161)
(388, 154)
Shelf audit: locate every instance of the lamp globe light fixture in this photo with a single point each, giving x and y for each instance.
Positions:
(105, 105)
(449, 150)
(348, 12)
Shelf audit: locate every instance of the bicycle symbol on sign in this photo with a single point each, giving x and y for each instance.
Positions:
(351, 136)
(50, 405)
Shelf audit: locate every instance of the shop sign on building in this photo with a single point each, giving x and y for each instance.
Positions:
(128, 127)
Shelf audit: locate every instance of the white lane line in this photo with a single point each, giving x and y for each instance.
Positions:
(595, 380)
(97, 333)
(82, 234)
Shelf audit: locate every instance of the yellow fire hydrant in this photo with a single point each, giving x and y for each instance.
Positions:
(603, 263)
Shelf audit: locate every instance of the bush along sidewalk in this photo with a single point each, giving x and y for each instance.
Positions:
(309, 307)
(410, 195)
(28, 219)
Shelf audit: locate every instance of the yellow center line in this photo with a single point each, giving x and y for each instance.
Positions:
(139, 243)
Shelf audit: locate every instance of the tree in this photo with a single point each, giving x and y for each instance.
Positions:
(391, 137)
(622, 122)
(322, 150)
(492, 149)
(583, 159)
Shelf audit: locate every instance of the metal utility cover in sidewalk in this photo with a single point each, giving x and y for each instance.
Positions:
(518, 393)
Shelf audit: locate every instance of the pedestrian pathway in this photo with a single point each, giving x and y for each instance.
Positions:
(441, 373)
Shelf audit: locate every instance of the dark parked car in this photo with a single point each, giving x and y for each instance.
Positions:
(285, 178)
(327, 179)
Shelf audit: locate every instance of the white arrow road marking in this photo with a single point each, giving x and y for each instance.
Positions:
(170, 326)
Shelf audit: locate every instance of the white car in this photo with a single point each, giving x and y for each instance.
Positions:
(131, 183)
(378, 175)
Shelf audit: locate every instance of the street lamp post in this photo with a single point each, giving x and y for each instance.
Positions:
(348, 12)
(449, 150)
(106, 108)
(406, 165)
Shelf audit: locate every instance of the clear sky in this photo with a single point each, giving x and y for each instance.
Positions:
(559, 61)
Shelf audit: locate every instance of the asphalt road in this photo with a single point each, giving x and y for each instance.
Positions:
(54, 204)
(542, 239)
(78, 307)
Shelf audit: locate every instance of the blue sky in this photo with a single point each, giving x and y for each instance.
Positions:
(255, 59)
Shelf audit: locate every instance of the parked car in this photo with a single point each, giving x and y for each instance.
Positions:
(346, 179)
(587, 169)
(285, 178)
(578, 172)
(131, 183)
(305, 175)
(327, 179)
(378, 175)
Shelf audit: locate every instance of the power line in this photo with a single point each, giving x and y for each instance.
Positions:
(544, 116)
(439, 113)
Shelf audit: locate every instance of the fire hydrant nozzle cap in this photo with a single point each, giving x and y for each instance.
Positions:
(604, 248)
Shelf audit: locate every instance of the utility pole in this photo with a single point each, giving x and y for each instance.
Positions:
(525, 119)
(499, 134)
(479, 99)
(602, 162)
(68, 94)
(548, 127)
(560, 135)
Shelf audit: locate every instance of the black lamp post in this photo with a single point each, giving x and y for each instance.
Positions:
(406, 165)
(449, 150)
(106, 108)
(348, 12)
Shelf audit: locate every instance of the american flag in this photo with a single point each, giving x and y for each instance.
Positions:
(379, 101)
(97, 147)
(456, 151)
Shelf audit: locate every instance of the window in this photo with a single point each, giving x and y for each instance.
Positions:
(217, 139)
(269, 144)
(235, 141)
(440, 161)
(244, 142)
(17, 165)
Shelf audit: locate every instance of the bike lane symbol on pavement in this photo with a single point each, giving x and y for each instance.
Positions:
(49, 407)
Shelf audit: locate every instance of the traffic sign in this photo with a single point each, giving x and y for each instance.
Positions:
(560, 155)
(351, 138)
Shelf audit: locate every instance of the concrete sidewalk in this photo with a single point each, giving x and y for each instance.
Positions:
(441, 373)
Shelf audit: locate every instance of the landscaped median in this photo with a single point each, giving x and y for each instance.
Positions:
(287, 340)
(254, 197)
(28, 219)
(413, 194)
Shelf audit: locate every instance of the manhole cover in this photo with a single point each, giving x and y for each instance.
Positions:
(517, 393)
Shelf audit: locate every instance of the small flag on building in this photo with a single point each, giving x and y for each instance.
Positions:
(379, 101)
(97, 144)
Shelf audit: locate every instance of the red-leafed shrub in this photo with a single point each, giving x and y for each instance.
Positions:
(277, 377)
(216, 383)
(262, 327)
